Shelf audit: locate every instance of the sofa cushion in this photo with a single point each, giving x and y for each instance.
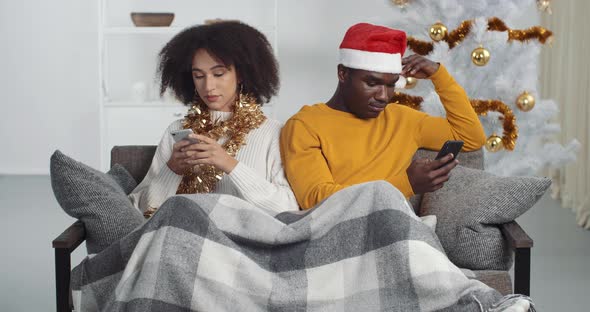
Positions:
(471, 205)
(123, 178)
(473, 159)
(99, 200)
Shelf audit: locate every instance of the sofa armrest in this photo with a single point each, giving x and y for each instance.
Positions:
(521, 243)
(516, 236)
(64, 245)
(71, 238)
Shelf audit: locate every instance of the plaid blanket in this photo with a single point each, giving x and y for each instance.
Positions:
(362, 249)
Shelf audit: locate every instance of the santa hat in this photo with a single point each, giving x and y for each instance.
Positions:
(373, 48)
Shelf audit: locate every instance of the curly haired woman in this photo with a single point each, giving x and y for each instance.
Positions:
(224, 72)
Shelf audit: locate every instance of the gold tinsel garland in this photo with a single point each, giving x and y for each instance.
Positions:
(481, 107)
(419, 46)
(456, 36)
(509, 120)
(407, 100)
(246, 117)
(536, 32)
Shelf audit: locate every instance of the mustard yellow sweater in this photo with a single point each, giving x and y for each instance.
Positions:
(325, 150)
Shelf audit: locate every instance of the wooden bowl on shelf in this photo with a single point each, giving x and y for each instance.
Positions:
(144, 19)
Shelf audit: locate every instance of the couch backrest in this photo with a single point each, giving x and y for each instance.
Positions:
(137, 159)
(466, 159)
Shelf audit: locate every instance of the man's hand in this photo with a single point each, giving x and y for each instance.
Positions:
(418, 66)
(427, 175)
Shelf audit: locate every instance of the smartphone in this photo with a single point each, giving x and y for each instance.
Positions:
(450, 146)
(182, 134)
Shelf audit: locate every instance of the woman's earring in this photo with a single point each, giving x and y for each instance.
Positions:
(241, 93)
(240, 101)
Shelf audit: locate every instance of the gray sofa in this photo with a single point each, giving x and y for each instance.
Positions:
(137, 159)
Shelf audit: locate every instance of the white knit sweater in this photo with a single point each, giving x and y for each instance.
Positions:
(258, 178)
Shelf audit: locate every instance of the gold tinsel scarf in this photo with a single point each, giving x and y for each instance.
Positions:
(246, 117)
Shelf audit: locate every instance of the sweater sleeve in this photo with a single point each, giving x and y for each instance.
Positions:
(273, 193)
(402, 183)
(160, 182)
(461, 122)
(301, 148)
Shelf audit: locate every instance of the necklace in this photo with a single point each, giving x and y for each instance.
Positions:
(246, 117)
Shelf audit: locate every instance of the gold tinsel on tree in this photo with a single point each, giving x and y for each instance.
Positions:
(481, 107)
(456, 36)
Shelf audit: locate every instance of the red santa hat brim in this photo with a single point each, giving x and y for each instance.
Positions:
(372, 61)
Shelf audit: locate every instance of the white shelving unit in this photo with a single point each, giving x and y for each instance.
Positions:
(128, 56)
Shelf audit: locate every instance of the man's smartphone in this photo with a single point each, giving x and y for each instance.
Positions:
(182, 134)
(450, 146)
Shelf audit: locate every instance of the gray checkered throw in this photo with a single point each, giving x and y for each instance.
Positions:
(362, 249)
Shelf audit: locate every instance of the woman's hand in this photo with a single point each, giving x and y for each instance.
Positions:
(208, 152)
(178, 161)
(418, 66)
(186, 154)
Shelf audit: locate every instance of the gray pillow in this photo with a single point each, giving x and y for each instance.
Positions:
(96, 199)
(123, 178)
(469, 209)
(473, 159)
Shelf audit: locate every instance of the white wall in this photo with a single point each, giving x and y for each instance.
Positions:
(309, 33)
(49, 80)
(48, 83)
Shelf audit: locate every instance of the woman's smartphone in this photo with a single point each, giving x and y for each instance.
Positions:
(450, 146)
(182, 134)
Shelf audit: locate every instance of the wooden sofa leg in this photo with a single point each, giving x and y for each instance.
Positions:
(522, 271)
(62, 279)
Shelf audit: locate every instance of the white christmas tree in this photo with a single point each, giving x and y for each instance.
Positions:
(495, 64)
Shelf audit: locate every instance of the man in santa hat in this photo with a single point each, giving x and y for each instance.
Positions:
(358, 136)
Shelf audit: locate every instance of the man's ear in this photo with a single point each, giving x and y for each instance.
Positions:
(343, 73)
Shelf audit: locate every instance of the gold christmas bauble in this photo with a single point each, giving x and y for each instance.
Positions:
(401, 3)
(544, 6)
(480, 56)
(525, 101)
(410, 82)
(438, 31)
(494, 143)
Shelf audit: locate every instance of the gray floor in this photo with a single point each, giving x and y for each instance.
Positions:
(30, 218)
(560, 265)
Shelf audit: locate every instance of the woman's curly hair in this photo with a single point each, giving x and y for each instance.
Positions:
(233, 43)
